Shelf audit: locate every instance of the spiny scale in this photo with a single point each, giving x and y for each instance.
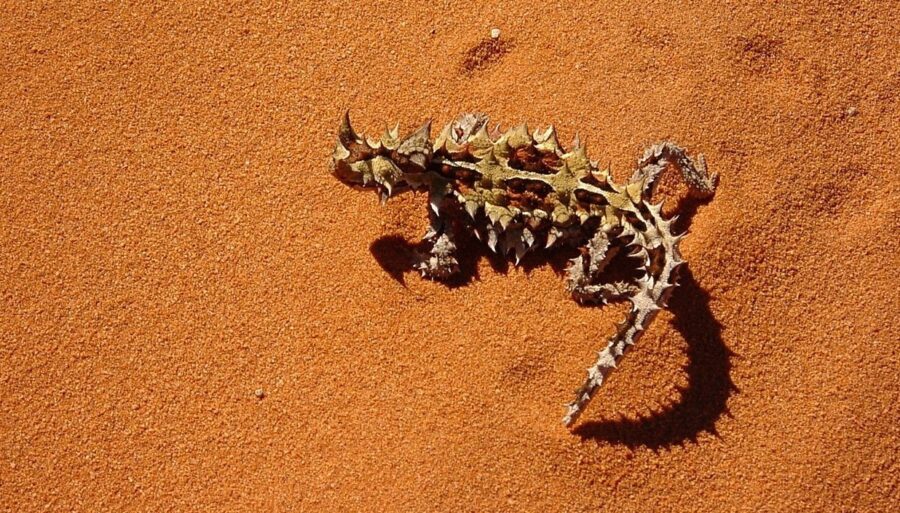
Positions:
(521, 191)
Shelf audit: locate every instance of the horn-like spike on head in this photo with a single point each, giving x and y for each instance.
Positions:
(425, 129)
(395, 132)
(389, 138)
(347, 135)
(582, 162)
(546, 135)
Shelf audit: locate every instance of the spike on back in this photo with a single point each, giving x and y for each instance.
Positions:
(417, 141)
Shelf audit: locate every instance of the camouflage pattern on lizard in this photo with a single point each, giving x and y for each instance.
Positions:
(521, 191)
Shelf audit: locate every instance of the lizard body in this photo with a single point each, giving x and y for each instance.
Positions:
(523, 192)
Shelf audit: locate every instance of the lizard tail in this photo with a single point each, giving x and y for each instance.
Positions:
(660, 265)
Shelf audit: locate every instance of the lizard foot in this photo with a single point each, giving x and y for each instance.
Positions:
(439, 264)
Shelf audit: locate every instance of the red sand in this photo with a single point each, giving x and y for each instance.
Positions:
(173, 242)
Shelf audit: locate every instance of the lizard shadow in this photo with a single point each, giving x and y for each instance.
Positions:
(397, 256)
(709, 386)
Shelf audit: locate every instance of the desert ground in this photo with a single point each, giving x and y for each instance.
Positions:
(196, 316)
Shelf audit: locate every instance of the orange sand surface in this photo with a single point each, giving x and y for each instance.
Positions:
(197, 317)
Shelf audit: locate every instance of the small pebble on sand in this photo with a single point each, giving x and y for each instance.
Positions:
(495, 33)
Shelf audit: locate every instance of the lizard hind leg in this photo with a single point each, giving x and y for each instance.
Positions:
(584, 270)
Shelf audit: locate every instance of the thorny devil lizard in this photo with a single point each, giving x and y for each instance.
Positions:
(522, 191)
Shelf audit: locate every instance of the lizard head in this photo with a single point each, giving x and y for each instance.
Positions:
(386, 165)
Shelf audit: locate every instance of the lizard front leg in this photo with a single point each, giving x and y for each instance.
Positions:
(440, 262)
